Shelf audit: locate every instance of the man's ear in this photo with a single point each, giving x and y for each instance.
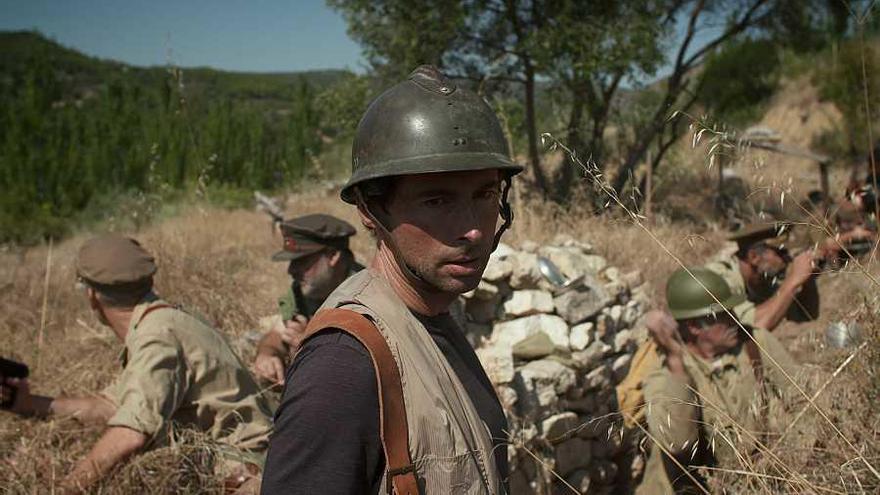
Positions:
(366, 220)
(92, 294)
(690, 330)
(753, 257)
(335, 258)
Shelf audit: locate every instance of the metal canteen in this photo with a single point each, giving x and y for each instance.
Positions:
(551, 272)
(840, 334)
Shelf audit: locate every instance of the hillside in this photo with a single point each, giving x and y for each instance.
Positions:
(83, 75)
(82, 133)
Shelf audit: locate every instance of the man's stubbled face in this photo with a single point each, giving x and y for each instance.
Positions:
(444, 225)
(769, 265)
(315, 274)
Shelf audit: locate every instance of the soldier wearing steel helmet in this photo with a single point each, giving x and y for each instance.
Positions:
(715, 385)
(430, 175)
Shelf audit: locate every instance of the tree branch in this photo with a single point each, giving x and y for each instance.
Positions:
(737, 28)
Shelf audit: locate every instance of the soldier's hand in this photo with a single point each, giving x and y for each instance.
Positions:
(292, 331)
(269, 368)
(800, 269)
(664, 330)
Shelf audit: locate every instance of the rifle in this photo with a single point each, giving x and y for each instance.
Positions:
(11, 369)
(271, 208)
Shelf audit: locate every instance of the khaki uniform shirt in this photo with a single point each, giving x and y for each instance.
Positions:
(176, 368)
(728, 268)
(717, 415)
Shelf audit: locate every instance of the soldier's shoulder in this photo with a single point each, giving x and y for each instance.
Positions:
(723, 261)
(166, 321)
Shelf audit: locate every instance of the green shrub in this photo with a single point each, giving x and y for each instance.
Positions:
(841, 80)
(739, 79)
(63, 151)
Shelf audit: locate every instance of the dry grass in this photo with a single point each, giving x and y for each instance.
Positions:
(216, 262)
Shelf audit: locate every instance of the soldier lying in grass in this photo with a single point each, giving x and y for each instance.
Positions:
(176, 370)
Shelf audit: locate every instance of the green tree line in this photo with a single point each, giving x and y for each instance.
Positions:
(63, 150)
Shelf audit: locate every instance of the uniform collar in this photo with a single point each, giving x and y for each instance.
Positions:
(139, 310)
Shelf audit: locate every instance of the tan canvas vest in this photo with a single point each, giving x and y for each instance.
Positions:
(450, 446)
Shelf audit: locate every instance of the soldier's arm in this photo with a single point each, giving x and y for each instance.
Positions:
(671, 406)
(769, 313)
(673, 411)
(115, 446)
(271, 355)
(147, 394)
(85, 409)
(272, 345)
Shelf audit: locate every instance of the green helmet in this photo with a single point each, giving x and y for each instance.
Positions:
(687, 296)
(426, 124)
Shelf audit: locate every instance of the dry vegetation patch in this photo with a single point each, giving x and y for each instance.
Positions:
(217, 262)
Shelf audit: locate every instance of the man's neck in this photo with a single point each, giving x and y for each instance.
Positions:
(415, 295)
(119, 320)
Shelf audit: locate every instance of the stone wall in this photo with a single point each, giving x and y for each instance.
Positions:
(555, 355)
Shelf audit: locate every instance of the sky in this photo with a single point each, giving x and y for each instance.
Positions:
(239, 35)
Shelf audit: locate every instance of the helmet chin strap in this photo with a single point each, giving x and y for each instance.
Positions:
(416, 280)
(506, 213)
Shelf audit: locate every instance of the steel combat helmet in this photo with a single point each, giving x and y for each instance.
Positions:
(426, 124)
(690, 295)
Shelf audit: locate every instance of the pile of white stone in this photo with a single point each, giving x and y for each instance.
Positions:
(555, 355)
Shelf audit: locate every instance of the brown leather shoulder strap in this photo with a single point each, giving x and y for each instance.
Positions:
(400, 474)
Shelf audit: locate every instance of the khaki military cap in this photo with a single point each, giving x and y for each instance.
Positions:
(113, 259)
(773, 234)
(312, 233)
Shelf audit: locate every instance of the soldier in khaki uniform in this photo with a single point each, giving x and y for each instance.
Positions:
(319, 259)
(715, 387)
(177, 370)
(773, 285)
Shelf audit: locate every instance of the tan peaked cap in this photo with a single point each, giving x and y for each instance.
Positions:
(113, 259)
(773, 234)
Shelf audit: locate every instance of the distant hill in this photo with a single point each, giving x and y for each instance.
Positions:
(80, 133)
(83, 74)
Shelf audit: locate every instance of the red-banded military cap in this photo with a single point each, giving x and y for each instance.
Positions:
(312, 233)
